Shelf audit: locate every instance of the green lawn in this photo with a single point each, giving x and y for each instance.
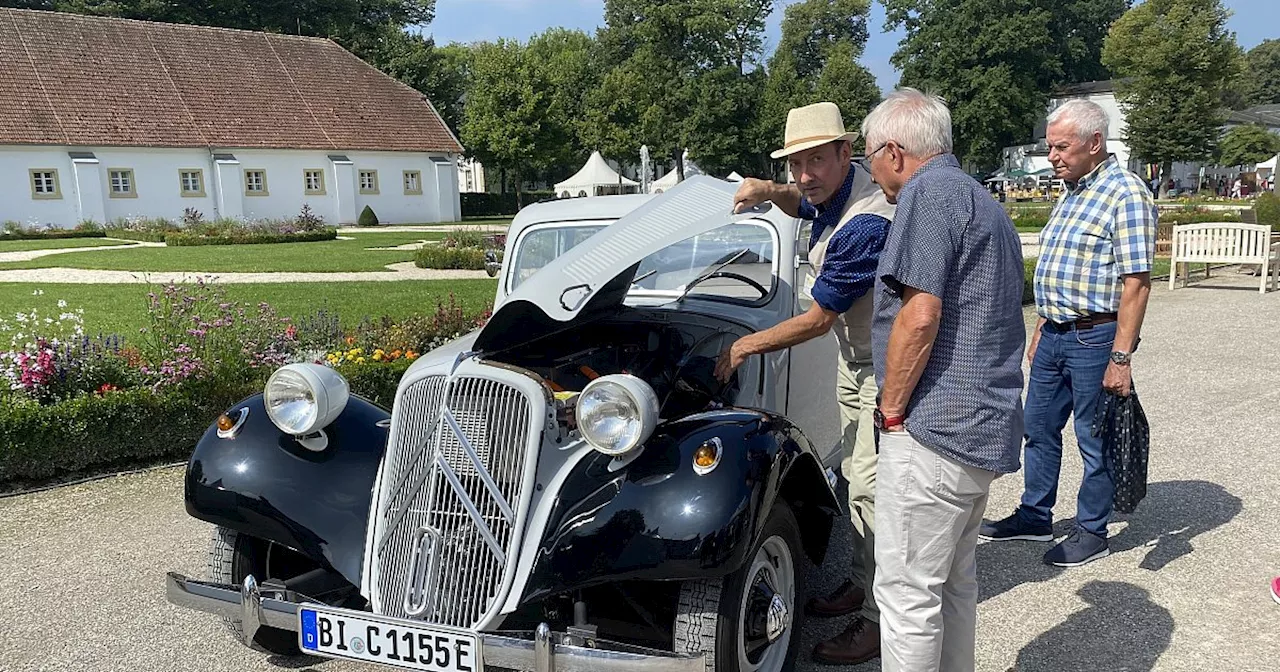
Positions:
(122, 309)
(58, 243)
(330, 256)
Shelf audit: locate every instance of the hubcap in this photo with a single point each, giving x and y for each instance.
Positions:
(765, 606)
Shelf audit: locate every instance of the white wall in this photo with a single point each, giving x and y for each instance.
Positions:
(159, 191)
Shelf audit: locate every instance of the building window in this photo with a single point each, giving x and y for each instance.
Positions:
(44, 183)
(412, 182)
(121, 183)
(191, 181)
(313, 181)
(255, 183)
(368, 181)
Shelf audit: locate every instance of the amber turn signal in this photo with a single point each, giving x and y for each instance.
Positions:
(705, 455)
(225, 422)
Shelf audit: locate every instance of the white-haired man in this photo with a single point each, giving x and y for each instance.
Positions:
(1091, 286)
(948, 338)
(849, 214)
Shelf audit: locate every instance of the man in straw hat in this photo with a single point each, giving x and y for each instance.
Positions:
(850, 218)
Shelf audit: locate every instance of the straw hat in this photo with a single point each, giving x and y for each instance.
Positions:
(813, 125)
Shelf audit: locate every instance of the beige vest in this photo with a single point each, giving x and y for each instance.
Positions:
(853, 327)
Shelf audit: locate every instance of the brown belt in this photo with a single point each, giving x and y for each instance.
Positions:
(1086, 322)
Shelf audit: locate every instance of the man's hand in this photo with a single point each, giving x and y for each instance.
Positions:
(729, 361)
(1118, 379)
(1035, 342)
(752, 192)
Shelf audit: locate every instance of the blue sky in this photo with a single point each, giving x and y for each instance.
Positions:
(472, 20)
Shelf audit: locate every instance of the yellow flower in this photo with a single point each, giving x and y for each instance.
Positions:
(377, 356)
(360, 360)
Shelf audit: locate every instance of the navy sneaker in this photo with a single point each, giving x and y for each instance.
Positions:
(1014, 528)
(1078, 548)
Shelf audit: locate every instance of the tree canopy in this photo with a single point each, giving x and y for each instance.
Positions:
(1261, 82)
(1176, 59)
(1246, 144)
(996, 61)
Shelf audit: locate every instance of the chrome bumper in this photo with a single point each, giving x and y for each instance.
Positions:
(256, 606)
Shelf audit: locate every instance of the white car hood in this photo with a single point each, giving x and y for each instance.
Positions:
(596, 274)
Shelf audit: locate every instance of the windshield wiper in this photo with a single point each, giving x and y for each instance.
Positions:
(716, 269)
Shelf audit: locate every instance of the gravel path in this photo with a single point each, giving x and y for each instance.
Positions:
(81, 567)
(28, 255)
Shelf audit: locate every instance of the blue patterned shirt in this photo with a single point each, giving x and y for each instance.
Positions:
(949, 238)
(1103, 228)
(849, 267)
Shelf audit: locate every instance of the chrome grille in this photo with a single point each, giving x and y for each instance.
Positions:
(455, 478)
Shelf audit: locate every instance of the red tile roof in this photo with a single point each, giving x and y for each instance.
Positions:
(94, 81)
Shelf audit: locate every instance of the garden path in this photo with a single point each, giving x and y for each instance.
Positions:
(28, 255)
(395, 272)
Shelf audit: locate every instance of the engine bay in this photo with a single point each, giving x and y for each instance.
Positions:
(675, 354)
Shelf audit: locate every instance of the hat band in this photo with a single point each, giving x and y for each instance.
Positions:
(811, 138)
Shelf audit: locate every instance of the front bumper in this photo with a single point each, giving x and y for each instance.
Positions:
(258, 606)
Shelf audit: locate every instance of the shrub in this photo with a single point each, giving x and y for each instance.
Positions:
(1267, 208)
(445, 258)
(101, 432)
(192, 218)
(466, 238)
(246, 237)
(12, 230)
(1193, 215)
(497, 205)
(148, 229)
(376, 382)
(367, 217)
(308, 220)
(1028, 284)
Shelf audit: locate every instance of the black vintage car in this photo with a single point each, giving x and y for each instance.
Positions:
(569, 488)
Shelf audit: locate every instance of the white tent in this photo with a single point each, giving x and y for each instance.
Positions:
(734, 177)
(595, 179)
(671, 179)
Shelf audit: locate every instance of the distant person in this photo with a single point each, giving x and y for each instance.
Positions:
(1236, 187)
(1091, 287)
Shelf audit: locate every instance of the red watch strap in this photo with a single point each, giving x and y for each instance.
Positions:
(893, 420)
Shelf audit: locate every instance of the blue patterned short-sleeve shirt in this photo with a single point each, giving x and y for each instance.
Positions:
(949, 238)
(1103, 228)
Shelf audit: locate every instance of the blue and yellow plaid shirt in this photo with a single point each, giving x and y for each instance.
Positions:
(1103, 228)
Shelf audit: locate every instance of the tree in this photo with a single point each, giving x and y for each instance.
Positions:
(1262, 74)
(995, 61)
(1176, 58)
(816, 60)
(1246, 144)
(502, 123)
(566, 61)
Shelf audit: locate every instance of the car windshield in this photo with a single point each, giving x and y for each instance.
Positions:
(745, 249)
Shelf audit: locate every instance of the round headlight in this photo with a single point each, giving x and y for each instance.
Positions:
(302, 398)
(617, 413)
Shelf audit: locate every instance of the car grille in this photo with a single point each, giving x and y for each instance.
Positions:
(449, 524)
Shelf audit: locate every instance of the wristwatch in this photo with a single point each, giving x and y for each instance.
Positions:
(885, 423)
(1121, 357)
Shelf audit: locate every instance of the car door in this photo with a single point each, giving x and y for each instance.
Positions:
(811, 379)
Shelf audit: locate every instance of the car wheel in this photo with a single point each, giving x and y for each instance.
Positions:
(748, 620)
(232, 557)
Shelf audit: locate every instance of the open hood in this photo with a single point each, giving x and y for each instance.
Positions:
(595, 275)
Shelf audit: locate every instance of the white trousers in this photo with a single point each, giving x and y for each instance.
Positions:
(928, 509)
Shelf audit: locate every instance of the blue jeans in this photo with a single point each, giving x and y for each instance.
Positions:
(1066, 377)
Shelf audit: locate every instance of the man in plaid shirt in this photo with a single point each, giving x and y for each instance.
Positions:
(1091, 283)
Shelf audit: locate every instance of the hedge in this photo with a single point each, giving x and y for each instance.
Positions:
(1267, 209)
(94, 434)
(499, 205)
(144, 236)
(181, 239)
(445, 258)
(52, 234)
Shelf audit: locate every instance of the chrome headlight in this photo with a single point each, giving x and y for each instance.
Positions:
(617, 413)
(302, 398)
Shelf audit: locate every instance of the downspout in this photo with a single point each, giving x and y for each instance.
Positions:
(213, 184)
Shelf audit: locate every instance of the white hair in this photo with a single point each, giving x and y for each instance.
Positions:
(1086, 116)
(920, 123)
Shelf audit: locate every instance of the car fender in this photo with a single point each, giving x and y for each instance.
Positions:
(263, 482)
(657, 519)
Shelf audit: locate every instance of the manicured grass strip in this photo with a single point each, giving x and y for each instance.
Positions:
(337, 256)
(58, 244)
(122, 309)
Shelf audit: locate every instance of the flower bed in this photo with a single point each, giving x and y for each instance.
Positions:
(184, 238)
(72, 404)
(192, 229)
(12, 230)
(462, 250)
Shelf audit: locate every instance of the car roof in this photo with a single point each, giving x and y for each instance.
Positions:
(571, 209)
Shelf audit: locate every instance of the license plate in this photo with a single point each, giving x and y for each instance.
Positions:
(356, 635)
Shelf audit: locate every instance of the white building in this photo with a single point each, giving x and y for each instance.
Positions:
(104, 118)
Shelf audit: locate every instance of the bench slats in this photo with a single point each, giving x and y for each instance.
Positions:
(1225, 243)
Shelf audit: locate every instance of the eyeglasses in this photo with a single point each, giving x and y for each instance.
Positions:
(865, 163)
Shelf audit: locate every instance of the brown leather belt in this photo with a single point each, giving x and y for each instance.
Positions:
(1086, 322)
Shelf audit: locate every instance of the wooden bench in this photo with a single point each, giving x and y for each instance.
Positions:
(1225, 243)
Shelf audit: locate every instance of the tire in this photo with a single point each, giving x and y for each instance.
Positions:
(232, 557)
(711, 613)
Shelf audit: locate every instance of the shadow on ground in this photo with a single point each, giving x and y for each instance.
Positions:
(1173, 513)
(1121, 629)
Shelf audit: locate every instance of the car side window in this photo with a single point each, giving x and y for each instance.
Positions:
(539, 248)
(749, 245)
(805, 234)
